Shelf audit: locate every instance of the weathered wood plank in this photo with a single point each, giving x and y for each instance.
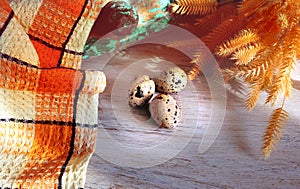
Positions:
(233, 161)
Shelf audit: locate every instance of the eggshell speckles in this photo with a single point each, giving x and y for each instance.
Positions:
(165, 111)
(141, 91)
(172, 80)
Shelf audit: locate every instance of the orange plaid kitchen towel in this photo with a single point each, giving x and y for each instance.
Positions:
(48, 106)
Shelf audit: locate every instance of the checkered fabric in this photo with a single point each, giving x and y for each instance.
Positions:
(48, 106)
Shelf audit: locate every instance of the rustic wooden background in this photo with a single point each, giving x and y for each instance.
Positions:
(233, 161)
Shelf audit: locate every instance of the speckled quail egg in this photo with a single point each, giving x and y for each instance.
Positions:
(165, 111)
(141, 91)
(172, 80)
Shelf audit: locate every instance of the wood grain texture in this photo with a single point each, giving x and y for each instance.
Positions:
(233, 161)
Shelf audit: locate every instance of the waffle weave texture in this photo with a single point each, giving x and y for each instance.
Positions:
(48, 106)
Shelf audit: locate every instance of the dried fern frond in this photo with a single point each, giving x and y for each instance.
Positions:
(252, 96)
(282, 81)
(244, 38)
(190, 44)
(282, 21)
(261, 69)
(209, 22)
(291, 8)
(265, 50)
(249, 74)
(194, 7)
(223, 32)
(245, 55)
(271, 57)
(202, 60)
(297, 45)
(195, 69)
(277, 87)
(268, 79)
(288, 87)
(261, 43)
(274, 131)
(193, 72)
(264, 21)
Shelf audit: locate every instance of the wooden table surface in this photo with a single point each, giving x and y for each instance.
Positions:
(234, 159)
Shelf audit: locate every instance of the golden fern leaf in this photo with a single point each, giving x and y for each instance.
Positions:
(272, 57)
(193, 72)
(274, 131)
(223, 32)
(207, 23)
(195, 69)
(245, 54)
(290, 58)
(261, 67)
(291, 42)
(260, 71)
(253, 95)
(249, 74)
(194, 7)
(266, 24)
(244, 38)
(200, 61)
(268, 79)
(297, 45)
(291, 8)
(282, 82)
(288, 83)
(296, 35)
(288, 87)
(282, 21)
(277, 87)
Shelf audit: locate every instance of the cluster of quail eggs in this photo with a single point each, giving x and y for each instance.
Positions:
(164, 108)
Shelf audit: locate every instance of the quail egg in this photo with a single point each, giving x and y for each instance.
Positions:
(165, 111)
(141, 91)
(172, 80)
